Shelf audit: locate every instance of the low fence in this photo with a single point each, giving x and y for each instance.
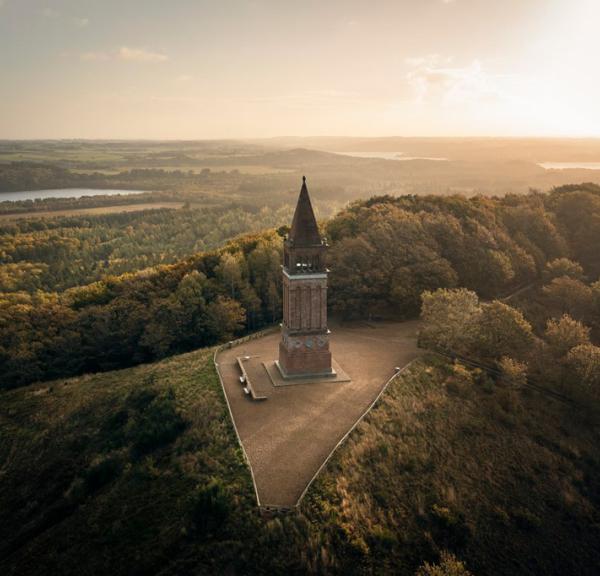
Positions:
(226, 346)
(347, 434)
(272, 510)
(247, 338)
(496, 373)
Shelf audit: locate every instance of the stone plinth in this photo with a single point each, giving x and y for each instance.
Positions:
(280, 378)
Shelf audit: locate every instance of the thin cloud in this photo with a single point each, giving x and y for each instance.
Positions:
(94, 57)
(140, 55)
(53, 14)
(433, 78)
(307, 100)
(124, 53)
(49, 13)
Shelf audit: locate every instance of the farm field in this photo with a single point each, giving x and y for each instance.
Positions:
(93, 211)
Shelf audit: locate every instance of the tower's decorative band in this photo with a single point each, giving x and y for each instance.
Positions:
(304, 346)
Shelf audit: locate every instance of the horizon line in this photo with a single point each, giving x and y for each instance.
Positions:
(291, 137)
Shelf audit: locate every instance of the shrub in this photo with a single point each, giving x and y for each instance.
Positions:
(460, 380)
(102, 471)
(211, 506)
(450, 528)
(155, 421)
(526, 520)
(449, 565)
(512, 372)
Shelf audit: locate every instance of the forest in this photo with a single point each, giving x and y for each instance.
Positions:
(408, 245)
(53, 254)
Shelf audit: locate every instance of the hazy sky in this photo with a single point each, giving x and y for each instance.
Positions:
(254, 68)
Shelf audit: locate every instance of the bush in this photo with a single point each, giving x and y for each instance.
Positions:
(449, 565)
(102, 471)
(155, 421)
(211, 507)
(450, 528)
(512, 372)
(460, 380)
(526, 520)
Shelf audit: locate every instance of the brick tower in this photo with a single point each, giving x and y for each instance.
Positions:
(304, 346)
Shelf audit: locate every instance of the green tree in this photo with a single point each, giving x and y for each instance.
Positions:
(449, 319)
(229, 271)
(226, 317)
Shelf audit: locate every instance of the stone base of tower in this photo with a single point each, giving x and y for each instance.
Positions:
(302, 362)
(279, 378)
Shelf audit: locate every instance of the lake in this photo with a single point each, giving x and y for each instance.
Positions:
(399, 156)
(62, 193)
(570, 165)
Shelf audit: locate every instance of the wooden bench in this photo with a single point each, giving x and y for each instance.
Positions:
(248, 388)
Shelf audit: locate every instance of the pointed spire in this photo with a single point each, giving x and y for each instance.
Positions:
(304, 231)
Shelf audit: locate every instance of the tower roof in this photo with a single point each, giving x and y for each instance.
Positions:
(304, 231)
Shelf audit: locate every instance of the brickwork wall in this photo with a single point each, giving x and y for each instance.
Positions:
(305, 304)
(304, 347)
(303, 360)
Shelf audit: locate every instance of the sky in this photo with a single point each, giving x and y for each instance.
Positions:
(195, 69)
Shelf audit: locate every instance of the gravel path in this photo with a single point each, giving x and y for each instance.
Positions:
(289, 435)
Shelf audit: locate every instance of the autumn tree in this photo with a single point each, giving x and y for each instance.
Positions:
(449, 319)
(512, 372)
(226, 317)
(502, 331)
(563, 334)
(584, 360)
(566, 295)
(562, 267)
(229, 271)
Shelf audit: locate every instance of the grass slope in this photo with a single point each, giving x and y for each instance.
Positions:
(138, 471)
(126, 472)
(506, 480)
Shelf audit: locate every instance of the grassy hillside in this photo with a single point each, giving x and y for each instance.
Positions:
(126, 472)
(138, 471)
(506, 480)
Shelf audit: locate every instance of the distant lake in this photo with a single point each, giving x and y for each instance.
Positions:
(570, 165)
(62, 193)
(391, 156)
